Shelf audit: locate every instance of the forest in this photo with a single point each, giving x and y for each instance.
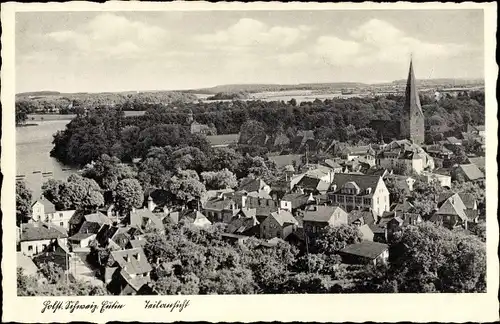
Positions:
(107, 131)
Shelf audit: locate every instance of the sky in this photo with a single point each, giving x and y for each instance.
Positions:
(122, 51)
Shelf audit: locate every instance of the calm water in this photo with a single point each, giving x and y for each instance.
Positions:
(33, 145)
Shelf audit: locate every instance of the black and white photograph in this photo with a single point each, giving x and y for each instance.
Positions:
(251, 152)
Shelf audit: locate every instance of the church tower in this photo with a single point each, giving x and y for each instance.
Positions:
(412, 118)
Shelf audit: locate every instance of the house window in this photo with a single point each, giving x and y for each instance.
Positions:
(30, 247)
(44, 247)
(61, 224)
(60, 215)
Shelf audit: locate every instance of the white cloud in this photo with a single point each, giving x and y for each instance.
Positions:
(379, 41)
(248, 33)
(292, 59)
(112, 35)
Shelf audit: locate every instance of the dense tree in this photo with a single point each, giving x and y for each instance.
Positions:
(185, 185)
(225, 158)
(33, 286)
(330, 240)
(249, 130)
(219, 179)
(107, 171)
(432, 259)
(23, 203)
(128, 195)
(75, 193)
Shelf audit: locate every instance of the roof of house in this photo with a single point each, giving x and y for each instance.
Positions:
(138, 243)
(367, 215)
(453, 205)
(133, 261)
(362, 181)
(193, 216)
(80, 236)
(480, 162)
(332, 164)
(219, 204)
(136, 282)
(38, 231)
(49, 207)
(223, 140)
(211, 194)
(260, 194)
(366, 249)
(282, 161)
(25, 263)
(248, 212)
(97, 217)
(264, 211)
(405, 207)
(468, 199)
(90, 227)
(471, 171)
(143, 216)
(251, 184)
(358, 150)
(366, 232)
(321, 214)
(308, 182)
(240, 225)
(284, 217)
(377, 229)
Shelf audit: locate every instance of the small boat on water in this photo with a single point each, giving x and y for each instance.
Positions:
(20, 176)
(37, 172)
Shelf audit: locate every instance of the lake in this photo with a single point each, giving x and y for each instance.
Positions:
(33, 145)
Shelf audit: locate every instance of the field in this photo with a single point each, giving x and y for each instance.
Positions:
(40, 117)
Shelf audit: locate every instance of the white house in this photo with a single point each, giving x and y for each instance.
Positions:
(359, 191)
(404, 153)
(42, 210)
(37, 236)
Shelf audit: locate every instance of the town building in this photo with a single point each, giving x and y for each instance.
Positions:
(358, 191)
(128, 272)
(467, 172)
(37, 236)
(42, 210)
(412, 119)
(403, 155)
(278, 224)
(452, 212)
(318, 217)
(365, 252)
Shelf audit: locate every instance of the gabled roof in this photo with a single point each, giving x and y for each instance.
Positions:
(260, 194)
(26, 264)
(193, 216)
(248, 212)
(219, 204)
(471, 172)
(297, 199)
(49, 207)
(89, 228)
(332, 164)
(366, 232)
(480, 162)
(362, 181)
(468, 199)
(405, 207)
(38, 231)
(367, 215)
(311, 183)
(251, 184)
(359, 150)
(366, 249)
(240, 225)
(80, 236)
(97, 217)
(143, 216)
(321, 214)
(284, 217)
(132, 261)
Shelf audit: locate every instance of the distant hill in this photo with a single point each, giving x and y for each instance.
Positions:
(443, 81)
(39, 93)
(252, 88)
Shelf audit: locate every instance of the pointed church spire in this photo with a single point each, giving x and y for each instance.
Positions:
(412, 121)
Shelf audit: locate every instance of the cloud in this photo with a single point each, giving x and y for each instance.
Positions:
(379, 41)
(249, 33)
(112, 35)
